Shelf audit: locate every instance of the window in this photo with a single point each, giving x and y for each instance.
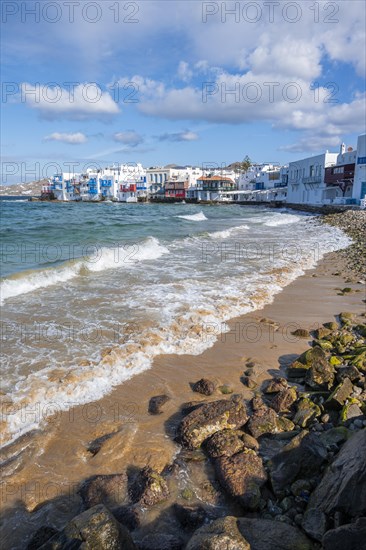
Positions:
(361, 160)
(338, 170)
(312, 172)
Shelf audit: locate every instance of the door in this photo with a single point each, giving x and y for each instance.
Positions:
(363, 190)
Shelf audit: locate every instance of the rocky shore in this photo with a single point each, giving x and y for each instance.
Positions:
(352, 222)
(286, 470)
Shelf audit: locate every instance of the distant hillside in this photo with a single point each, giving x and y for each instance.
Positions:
(31, 189)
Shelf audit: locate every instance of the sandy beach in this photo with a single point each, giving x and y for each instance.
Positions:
(262, 338)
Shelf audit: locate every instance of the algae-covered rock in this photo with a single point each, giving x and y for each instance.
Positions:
(221, 534)
(242, 475)
(203, 422)
(275, 385)
(95, 529)
(332, 326)
(301, 333)
(307, 411)
(346, 318)
(322, 332)
(321, 374)
(149, 488)
(284, 399)
(352, 409)
(323, 344)
(335, 361)
(340, 394)
(265, 421)
(297, 369)
(224, 443)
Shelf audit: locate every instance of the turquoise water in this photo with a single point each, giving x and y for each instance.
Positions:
(91, 293)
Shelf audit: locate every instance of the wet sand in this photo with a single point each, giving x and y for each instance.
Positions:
(52, 462)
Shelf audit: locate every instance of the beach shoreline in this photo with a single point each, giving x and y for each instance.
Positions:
(262, 337)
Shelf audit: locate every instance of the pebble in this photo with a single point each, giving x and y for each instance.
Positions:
(325, 418)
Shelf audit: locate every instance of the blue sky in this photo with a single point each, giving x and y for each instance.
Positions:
(273, 80)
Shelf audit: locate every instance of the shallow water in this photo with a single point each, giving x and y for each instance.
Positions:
(92, 293)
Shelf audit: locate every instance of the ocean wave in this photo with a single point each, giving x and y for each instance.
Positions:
(227, 232)
(282, 219)
(104, 258)
(200, 217)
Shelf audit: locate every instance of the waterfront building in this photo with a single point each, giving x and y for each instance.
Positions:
(213, 188)
(306, 179)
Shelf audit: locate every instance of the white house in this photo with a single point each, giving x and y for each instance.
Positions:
(64, 186)
(359, 183)
(306, 179)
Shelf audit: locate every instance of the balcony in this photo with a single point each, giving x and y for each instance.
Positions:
(106, 183)
(312, 179)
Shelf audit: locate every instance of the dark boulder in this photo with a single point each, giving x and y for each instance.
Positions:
(283, 400)
(221, 534)
(192, 517)
(111, 490)
(338, 397)
(95, 529)
(242, 476)
(204, 386)
(157, 402)
(42, 535)
(149, 488)
(275, 385)
(266, 421)
(301, 458)
(321, 374)
(342, 488)
(160, 541)
(347, 537)
(264, 534)
(224, 443)
(129, 516)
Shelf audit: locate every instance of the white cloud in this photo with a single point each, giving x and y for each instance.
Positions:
(187, 135)
(130, 137)
(74, 139)
(84, 101)
(231, 98)
(184, 72)
(312, 144)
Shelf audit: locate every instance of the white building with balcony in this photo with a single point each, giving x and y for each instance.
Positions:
(359, 183)
(65, 186)
(306, 179)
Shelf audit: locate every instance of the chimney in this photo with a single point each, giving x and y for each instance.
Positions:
(343, 148)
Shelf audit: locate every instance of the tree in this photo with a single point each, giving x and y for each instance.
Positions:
(246, 164)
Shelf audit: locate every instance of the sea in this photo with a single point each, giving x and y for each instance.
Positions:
(92, 292)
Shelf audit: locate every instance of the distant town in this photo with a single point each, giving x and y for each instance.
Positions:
(324, 179)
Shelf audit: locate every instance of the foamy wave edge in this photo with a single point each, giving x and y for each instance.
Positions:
(105, 258)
